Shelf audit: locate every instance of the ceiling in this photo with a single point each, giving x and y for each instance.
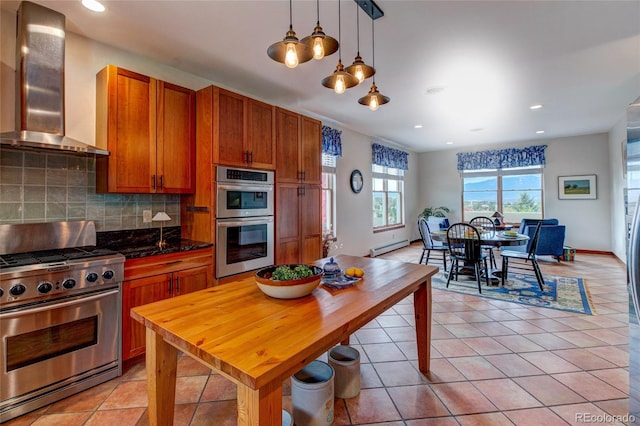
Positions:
(467, 71)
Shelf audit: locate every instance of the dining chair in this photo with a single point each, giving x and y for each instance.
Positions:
(428, 245)
(488, 229)
(525, 261)
(465, 247)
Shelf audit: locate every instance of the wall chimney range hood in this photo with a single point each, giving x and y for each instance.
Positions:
(40, 85)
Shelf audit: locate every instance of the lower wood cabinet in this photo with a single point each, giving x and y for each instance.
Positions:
(154, 278)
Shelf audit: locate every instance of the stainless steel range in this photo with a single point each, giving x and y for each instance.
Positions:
(60, 313)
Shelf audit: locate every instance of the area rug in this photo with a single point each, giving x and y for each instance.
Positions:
(564, 293)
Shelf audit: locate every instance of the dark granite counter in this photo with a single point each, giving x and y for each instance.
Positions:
(135, 243)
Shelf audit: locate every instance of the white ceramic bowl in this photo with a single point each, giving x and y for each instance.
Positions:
(287, 289)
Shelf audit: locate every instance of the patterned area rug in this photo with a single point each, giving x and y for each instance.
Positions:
(564, 293)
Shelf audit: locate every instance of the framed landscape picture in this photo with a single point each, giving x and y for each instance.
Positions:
(577, 187)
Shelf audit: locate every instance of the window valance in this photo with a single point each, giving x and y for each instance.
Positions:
(502, 158)
(331, 141)
(389, 157)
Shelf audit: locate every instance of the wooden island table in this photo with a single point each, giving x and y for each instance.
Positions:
(258, 342)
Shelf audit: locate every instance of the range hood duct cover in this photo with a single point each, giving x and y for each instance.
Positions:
(40, 84)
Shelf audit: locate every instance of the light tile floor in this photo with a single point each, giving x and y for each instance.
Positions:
(493, 363)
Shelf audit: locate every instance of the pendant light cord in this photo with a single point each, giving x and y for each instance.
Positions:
(339, 35)
(358, 26)
(373, 49)
(290, 14)
(318, 11)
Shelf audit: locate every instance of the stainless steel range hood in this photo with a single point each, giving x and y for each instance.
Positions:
(40, 84)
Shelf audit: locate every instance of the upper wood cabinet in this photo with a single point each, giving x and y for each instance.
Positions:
(148, 126)
(243, 130)
(298, 148)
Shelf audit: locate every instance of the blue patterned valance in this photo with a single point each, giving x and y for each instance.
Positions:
(502, 158)
(331, 141)
(389, 157)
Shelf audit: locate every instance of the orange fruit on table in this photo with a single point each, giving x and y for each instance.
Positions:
(359, 273)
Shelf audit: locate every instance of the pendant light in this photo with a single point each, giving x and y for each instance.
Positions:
(359, 69)
(321, 44)
(340, 80)
(374, 98)
(290, 51)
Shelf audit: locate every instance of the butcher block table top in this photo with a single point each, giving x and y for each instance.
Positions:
(258, 341)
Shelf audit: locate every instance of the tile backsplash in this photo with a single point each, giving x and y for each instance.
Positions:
(43, 187)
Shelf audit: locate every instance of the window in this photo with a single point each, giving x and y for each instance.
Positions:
(328, 193)
(515, 192)
(388, 202)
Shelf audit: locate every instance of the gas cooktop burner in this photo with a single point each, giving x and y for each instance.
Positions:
(51, 256)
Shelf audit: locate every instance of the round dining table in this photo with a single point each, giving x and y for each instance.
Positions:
(494, 239)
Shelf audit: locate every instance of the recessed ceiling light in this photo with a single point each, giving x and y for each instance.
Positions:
(434, 90)
(94, 5)
(418, 126)
(449, 143)
(536, 106)
(540, 132)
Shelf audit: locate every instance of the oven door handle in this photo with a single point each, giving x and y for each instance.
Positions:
(246, 188)
(260, 220)
(47, 306)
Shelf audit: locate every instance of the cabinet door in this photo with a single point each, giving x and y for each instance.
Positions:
(287, 146)
(311, 223)
(311, 150)
(287, 223)
(229, 130)
(126, 126)
(261, 134)
(136, 293)
(176, 141)
(191, 280)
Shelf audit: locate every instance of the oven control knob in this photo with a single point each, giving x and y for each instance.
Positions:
(108, 274)
(92, 277)
(69, 283)
(17, 290)
(45, 287)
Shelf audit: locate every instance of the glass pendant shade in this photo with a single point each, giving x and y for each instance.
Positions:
(340, 80)
(374, 98)
(321, 44)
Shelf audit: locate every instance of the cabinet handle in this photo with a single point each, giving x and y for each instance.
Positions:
(171, 285)
(178, 285)
(304, 175)
(153, 182)
(301, 191)
(250, 157)
(161, 181)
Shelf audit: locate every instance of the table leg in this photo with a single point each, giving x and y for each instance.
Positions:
(260, 406)
(161, 365)
(422, 307)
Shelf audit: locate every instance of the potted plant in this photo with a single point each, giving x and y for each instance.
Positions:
(435, 211)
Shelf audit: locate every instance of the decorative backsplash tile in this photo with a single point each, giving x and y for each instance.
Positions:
(42, 187)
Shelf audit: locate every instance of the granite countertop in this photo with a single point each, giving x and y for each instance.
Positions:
(138, 243)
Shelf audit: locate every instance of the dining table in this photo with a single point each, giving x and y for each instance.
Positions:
(258, 342)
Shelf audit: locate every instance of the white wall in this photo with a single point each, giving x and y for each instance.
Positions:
(587, 221)
(354, 211)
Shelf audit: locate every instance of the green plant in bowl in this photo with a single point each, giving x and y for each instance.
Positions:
(288, 281)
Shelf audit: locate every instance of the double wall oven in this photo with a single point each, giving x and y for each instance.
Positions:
(60, 313)
(244, 220)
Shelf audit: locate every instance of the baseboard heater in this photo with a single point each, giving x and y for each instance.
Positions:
(387, 248)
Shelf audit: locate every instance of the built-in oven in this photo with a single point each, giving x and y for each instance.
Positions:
(243, 244)
(243, 193)
(244, 220)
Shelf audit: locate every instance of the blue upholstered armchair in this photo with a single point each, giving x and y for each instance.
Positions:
(550, 240)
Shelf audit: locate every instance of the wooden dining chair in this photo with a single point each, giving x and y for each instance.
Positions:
(488, 229)
(521, 260)
(428, 245)
(465, 247)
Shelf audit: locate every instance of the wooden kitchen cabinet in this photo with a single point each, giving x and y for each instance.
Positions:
(298, 188)
(243, 130)
(148, 126)
(298, 148)
(154, 278)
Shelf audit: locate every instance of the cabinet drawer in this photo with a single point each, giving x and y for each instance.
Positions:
(167, 263)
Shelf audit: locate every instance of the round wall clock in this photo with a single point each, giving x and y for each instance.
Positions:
(356, 181)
